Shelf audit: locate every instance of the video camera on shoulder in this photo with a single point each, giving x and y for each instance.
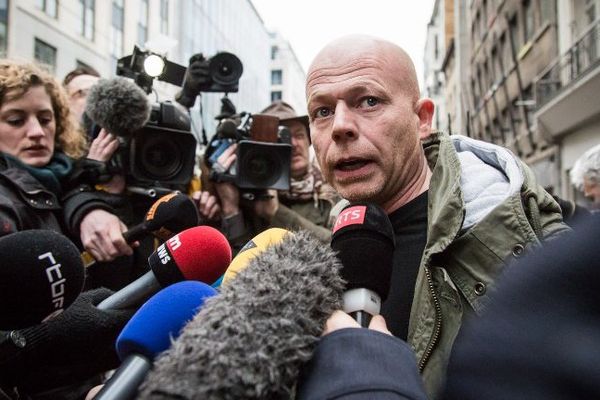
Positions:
(263, 154)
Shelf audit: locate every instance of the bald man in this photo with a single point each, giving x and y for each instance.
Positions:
(460, 208)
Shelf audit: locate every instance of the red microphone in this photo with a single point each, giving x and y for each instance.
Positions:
(200, 254)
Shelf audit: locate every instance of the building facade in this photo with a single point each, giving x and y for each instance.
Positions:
(521, 73)
(433, 76)
(287, 74)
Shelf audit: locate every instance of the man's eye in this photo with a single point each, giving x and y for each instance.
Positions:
(322, 112)
(370, 101)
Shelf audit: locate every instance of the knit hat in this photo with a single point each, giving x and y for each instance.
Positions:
(286, 113)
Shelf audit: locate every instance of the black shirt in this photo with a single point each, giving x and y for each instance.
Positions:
(410, 233)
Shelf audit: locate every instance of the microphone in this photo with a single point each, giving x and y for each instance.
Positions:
(118, 105)
(201, 254)
(363, 238)
(41, 274)
(149, 332)
(250, 341)
(168, 215)
(253, 248)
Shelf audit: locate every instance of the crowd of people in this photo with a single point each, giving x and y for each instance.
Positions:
(462, 210)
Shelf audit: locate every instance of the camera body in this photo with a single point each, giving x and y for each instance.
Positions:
(263, 154)
(161, 154)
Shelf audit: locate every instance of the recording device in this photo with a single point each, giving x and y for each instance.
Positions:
(157, 149)
(170, 214)
(263, 154)
(363, 238)
(250, 341)
(41, 274)
(201, 254)
(149, 332)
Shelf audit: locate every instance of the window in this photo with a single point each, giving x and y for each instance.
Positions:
(164, 16)
(116, 33)
(276, 95)
(50, 7)
(436, 50)
(548, 10)
(45, 54)
(528, 21)
(514, 35)
(142, 34)
(274, 52)
(276, 77)
(3, 27)
(86, 14)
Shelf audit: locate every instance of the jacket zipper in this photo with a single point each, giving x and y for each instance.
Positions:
(437, 328)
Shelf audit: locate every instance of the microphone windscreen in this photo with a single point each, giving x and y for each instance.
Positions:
(41, 274)
(253, 248)
(170, 214)
(363, 238)
(118, 105)
(161, 318)
(250, 341)
(200, 253)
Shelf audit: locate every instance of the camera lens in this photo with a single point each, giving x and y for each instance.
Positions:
(225, 68)
(260, 168)
(160, 157)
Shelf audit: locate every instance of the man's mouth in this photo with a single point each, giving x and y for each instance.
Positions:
(351, 165)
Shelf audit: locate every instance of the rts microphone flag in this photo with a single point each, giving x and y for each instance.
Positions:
(201, 254)
(250, 341)
(363, 238)
(41, 274)
(149, 332)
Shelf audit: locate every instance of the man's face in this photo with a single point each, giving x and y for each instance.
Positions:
(77, 91)
(300, 145)
(364, 126)
(591, 190)
(28, 127)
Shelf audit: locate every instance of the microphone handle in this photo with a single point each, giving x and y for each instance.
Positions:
(361, 304)
(132, 295)
(362, 317)
(131, 235)
(124, 383)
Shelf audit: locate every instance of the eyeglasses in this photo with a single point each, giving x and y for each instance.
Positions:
(79, 94)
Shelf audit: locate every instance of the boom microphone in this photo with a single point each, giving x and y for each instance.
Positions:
(118, 105)
(250, 341)
(149, 332)
(253, 248)
(41, 274)
(363, 238)
(201, 254)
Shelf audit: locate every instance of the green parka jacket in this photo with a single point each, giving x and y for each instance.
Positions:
(459, 265)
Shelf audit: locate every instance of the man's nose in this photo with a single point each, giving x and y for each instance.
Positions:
(344, 123)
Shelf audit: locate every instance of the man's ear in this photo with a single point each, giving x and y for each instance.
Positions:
(424, 110)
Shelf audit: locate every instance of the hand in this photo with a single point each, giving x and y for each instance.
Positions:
(116, 185)
(228, 193)
(267, 208)
(207, 204)
(102, 235)
(341, 320)
(103, 146)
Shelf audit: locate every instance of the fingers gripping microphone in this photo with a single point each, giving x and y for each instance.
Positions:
(250, 341)
(201, 254)
(363, 238)
(253, 248)
(118, 105)
(168, 215)
(149, 332)
(41, 274)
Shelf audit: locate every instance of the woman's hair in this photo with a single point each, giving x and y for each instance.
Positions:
(17, 78)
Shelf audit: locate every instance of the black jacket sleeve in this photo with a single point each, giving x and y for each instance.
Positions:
(358, 364)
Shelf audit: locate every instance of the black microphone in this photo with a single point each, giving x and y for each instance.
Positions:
(201, 254)
(363, 238)
(118, 105)
(251, 340)
(41, 274)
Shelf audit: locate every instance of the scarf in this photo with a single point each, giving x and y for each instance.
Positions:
(311, 187)
(50, 175)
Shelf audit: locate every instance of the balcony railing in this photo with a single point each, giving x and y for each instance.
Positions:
(579, 60)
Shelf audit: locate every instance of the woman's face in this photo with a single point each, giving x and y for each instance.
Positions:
(28, 127)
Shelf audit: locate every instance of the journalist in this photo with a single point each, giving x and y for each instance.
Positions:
(306, 205)
(460, 208)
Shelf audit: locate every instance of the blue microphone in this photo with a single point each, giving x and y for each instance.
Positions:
(149, 332)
